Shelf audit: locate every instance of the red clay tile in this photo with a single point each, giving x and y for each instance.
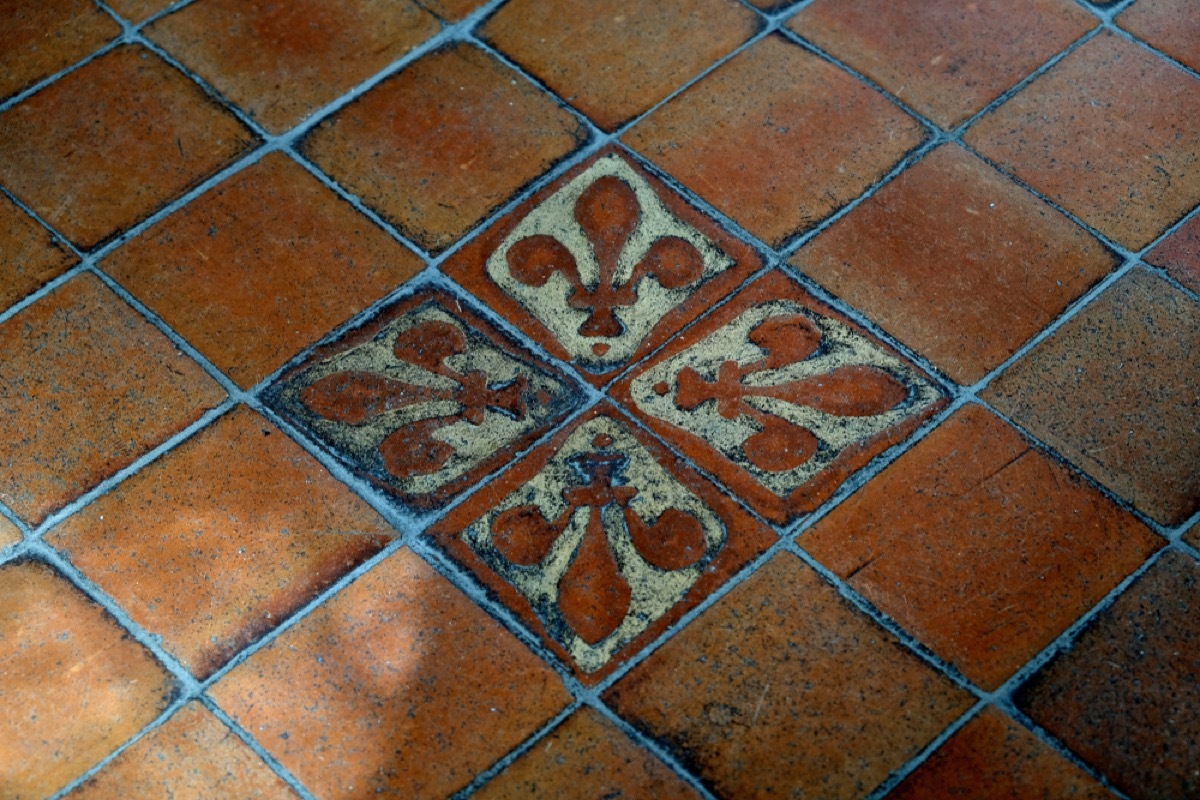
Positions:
(614, 59)
(138, 10)
(1179, 254)
(599, 540)
(586, 757)
(261, 266)
(982, 547)
(424, 400)
(1172, 26)
(783, 690)
(1108, 134)
(1126, 695)
(777, 138)
(103, 385)
(41, 37)
(193, 756)
(944, 58)
(957, 261)
(74, 687)
(108, 144)
(771, 6)
(437, 147)
(1115, 391)
(222, 539)
(9, 534)
(29, 256)
(779, 396)
(603, 265)
(398, 685)
(452, 10)
(279, 62)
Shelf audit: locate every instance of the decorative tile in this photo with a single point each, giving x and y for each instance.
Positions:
(783, 690)
(75, 685)
(260, 267)
(103, 385)
(603, 266)
(600, 539)
(111, 142)
(1170, 25)
(440, 145)
(399, 685)
(979, 545)
(1115, 391)
(222, 539)
(424, 400)
(41, 37)
(779, 396)
(29, 255)
(1179, 254)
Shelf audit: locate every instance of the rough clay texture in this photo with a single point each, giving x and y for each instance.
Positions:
(29, 255)
(1179, 254)
(41, 37)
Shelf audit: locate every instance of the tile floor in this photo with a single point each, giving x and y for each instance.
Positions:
(596, 399)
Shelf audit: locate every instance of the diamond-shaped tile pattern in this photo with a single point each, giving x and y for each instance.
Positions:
(1170, 25)
(1179, 254)
(41, 37)
(29, 255)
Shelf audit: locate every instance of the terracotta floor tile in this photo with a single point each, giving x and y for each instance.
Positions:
(603, 265)
(777, 138)
(586, 757)
(779, 396)
(193, 756)
(74, 686)
(139, 10)
(399, 685)
(441, 144)
(782, 689)
(222, 539)
(614, 59)
(1108, 134)
(599, 539)
(945, 59)
(1193, 536)
(1126, 696)
(982, 547)
(279, 62)
(1170, 25)
(957, 261)
(9, 534)
(41, 37)
(103, 385)
(452, 10)
(260, 267)
(425, 400)
(1115, 391)
(1179, 254)
(29, 255)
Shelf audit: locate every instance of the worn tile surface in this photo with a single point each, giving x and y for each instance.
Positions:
(41, 37)
(29, 255)
(1179, 254)
(10, 534)
(1170, 25)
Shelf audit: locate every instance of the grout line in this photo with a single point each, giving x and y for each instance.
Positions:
(898, 775)
(247, 739)
(516, 753)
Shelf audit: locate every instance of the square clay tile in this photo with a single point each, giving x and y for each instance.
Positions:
(192, 756)
(1172, 26)
(777, 138)
(9, 534)
(112, 142)
(586, 757)
(41, 37)
(957, 261)
(103, 385)
(944, 58)
(139, 10)
(279, 62)
(1109, 134)
(979, 545)
(452, 10)
(222, 539)
(29, 255)
(780, 397)
(1126, 696)
(75, 685)
(1179, 254)
(603, 265)
(782, 689)
(1115, 390)
(424, 400)
(399, 685)
(614, 59)
(260, 267)
(599, 540)
(438, 146)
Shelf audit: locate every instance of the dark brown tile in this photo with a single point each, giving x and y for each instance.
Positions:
(139, 10)
(1170, 25)
(1179, 254)
(29, 255)
(41, 37)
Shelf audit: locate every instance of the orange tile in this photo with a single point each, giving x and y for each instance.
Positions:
(945, 59)
(1179, 254)
(41, 37)
(139, 10)
(260, 267)
(9, 533)
(222, 539)
(777, 138)
(1108, 134)
(192, 756)
(1170, 25)
(75, 686)
(110, 143)
(613, 59)
(452, 10)
(438, 146)
(104, 386)
(1115, 391)
(29, 255)
(982, 547)
(585, 758)
(782, 689)
(279, 62)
